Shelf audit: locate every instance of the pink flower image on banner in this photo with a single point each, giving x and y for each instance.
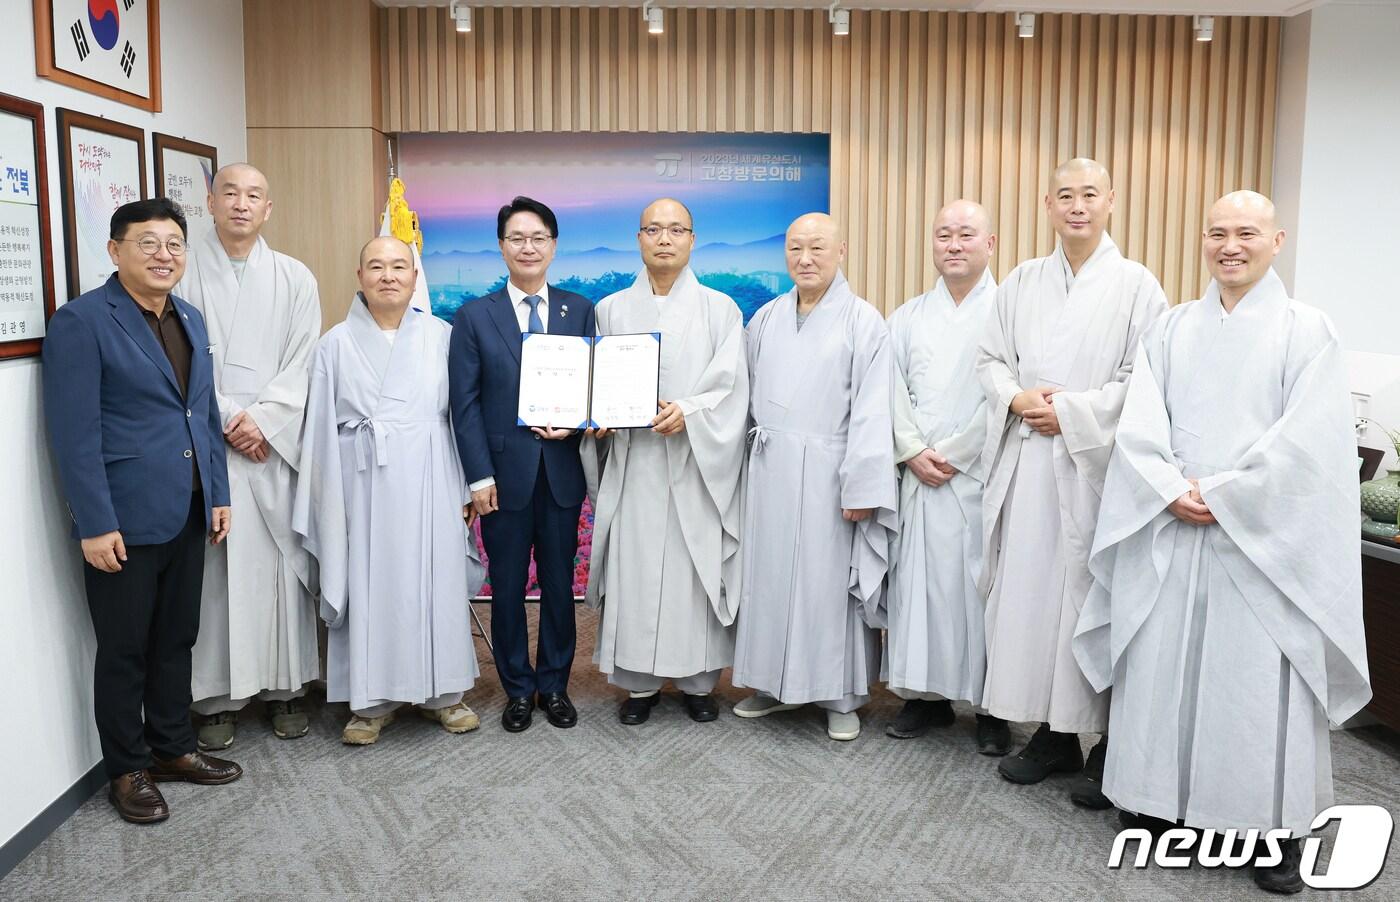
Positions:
(743, 190)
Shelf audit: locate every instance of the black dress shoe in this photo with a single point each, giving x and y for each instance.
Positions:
(917, 715)
(137, 799)
(1283, 877)
(637, 710)
(1047, 753)
(558, 709)
(518, 713)
(993, 736)
(195, 767)
(1087, 791)
(701, 708)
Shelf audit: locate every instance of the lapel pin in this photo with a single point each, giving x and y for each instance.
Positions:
(563, 311)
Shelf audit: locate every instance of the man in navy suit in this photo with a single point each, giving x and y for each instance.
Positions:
(128, 394)
(527, 484)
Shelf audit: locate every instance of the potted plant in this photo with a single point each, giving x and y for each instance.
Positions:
(1380, 497)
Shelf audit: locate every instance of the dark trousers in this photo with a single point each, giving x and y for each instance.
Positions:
(508, 536)
(146, 617)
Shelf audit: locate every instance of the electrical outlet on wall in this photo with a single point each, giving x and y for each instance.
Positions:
(1361, 407)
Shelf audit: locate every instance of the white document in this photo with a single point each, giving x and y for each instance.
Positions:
(554, 376)
(626, 377)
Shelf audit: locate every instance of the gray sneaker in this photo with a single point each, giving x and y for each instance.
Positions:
(289, 720)
(216, 730)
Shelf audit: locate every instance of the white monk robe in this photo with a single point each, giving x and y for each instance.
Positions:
(379, 503)
(936, 641)
(1230, 646)
(1077, 332)
(257, 622)
(822, 441)
(665, 560)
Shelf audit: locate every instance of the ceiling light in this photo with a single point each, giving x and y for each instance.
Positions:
(655, 18)
(840, 20)
(1025, 25)
(1205, 27)
(461, 15)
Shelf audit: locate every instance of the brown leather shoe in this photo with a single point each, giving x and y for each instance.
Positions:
(137, 799)
(196, 767)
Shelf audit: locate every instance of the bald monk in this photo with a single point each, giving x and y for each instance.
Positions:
(257, 623)
(1054, 363)
(665, 565)
(1226, 609)
(381, 505)
(820, 505)
(936, 647)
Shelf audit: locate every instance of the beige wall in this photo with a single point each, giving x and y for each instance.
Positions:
(922, 107)
(312, 83)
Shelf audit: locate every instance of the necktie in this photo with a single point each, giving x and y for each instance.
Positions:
(536, 324)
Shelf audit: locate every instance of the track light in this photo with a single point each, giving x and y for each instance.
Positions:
(461, 15)
(1205, 27)
(840, 20)
(655, 17)
(1025, 25)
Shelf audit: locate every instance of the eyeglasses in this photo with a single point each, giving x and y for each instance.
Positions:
(150, 246)
(676, 231)
(520, 241)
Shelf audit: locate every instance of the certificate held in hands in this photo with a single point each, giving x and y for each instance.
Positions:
(577, 382)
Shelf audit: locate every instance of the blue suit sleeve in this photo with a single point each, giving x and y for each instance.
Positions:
(73, 409)
(464, 395)
(218, 456)
(590, 323)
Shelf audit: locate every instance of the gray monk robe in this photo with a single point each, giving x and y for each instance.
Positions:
(936, 642)
(257, 623)
(1077, 332)
(379, 505)
(665, 560)
(1230, 646)
(823, 441)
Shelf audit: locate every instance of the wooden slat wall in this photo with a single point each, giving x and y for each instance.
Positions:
(922, 108)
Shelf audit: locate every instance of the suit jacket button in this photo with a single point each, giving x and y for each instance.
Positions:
(537, 438)
(189, 453)
(188, 414)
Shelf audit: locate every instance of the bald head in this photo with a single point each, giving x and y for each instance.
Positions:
(1079, 170)
(816, 224)
(385, 247)
(670, 209)
(239, 203)
(1079, 204)
(962, 246)
(1241, 239)
(1246, 204)
(240, 174)
(815, 251)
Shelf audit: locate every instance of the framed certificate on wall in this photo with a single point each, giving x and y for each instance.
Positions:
(102, 166)
(185, 174)
(106, 47)
(26, 254)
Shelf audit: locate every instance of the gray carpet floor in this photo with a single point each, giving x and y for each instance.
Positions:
(735, 809)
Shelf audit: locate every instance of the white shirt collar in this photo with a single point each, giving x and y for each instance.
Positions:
(517, 295)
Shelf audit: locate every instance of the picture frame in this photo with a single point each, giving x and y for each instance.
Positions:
(26, 249)
(102, 165)
(184, 173)
(110, 48)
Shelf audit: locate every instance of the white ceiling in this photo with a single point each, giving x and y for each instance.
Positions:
(1154, 7)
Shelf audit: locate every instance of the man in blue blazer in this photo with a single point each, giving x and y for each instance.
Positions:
(128, 395)
(527, 484)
